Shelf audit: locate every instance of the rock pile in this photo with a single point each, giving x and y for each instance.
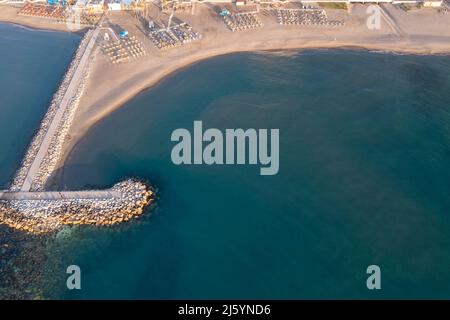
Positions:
(42, 216)
(46, 212)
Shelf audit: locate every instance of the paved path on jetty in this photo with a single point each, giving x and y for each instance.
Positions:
(56, 195)
(57, 119)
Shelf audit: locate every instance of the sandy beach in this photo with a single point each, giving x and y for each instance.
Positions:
(423, 32)
(8, 14)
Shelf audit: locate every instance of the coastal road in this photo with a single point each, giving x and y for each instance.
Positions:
(57, 119)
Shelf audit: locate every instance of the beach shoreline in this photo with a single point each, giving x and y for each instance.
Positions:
(110, 86)
(83, 123)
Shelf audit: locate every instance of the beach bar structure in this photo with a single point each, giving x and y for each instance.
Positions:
(92, 6)
(118, 5)
(115, 5)
(432, 3)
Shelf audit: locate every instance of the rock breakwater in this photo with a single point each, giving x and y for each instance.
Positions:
(27, 206)
(46, 215)
(36, 142)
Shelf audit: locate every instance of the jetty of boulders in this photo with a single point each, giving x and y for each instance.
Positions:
(58, 140)
(46, 215)
(35, 210)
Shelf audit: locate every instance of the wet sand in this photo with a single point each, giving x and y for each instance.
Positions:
(111, 86)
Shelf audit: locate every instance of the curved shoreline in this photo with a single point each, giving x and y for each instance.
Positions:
(77, 132)
(40, 213)
(111, 86)
(29, 27)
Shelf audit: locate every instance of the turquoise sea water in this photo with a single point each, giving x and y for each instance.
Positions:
(364, 176)
(364, 179)
(32, 63)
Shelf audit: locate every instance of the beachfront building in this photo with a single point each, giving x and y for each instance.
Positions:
(96, 6)
(118, 5)
(168, 5)
(80, 5)
(432, 3)
(115, 5)
(92, 6)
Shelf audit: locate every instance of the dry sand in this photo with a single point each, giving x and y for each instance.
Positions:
(110, 86)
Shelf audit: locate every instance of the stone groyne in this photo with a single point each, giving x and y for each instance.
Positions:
(35, 144)
(27, 206)
(46, 215)
(50, 161)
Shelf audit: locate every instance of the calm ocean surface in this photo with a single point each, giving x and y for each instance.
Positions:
(32, 63)
(364, 179)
